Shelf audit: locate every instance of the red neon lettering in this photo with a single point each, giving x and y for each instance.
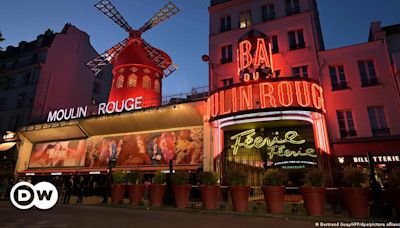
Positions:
(318, 101)
(246, 77)
(267, 95)
(234, 100)
(289, 94)
(246, 97)
(245, 58)
(222, 103)
(261, 54)
(214, 105)
(306, 94)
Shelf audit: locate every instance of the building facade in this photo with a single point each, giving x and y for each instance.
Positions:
(46, 74)
(359, 85)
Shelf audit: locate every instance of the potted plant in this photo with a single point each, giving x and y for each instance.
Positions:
(355, 196)
(274, 190)
(118, 187)
(157, 189)
(180, 188)
(393, 189)
(238, 190)
(313, 192)
(209, 190)
(135, 188)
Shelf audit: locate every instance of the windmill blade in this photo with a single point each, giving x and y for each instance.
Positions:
(110, 11)
(158, 58)
(166, 12)
(96, 64)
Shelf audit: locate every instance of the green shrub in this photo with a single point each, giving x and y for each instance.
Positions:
(119, 177)
(179, 178)
(134, 177)
(236, 177)
(159, 178)
(315, 178)
(354, 177)
(208, 178)
(275, 177)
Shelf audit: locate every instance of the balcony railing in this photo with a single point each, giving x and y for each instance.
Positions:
(292, 11)
(340, 86)
(373, 81)
(348, 133)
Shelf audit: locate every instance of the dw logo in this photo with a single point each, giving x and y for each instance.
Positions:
(43, 195)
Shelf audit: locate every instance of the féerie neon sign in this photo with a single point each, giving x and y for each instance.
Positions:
(275, 145)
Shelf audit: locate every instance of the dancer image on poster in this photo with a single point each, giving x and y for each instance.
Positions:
(167, 147)
(197, 146)
(155, 152)
(137, 152)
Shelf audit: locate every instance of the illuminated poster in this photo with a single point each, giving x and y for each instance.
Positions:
(157, 148)
(58, 154)
(289, 147)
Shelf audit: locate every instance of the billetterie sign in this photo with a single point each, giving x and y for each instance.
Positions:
(104, 108)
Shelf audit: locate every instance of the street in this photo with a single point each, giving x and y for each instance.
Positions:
(99, 216)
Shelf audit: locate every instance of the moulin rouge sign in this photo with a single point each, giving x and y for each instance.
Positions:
(104, 108)
(254, 65)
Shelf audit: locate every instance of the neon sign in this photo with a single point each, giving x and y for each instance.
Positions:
(275, 145)
(264, 95)
(104, 108)
(254, 56)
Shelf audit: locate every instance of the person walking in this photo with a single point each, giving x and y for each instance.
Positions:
(3, 188)
(69, 187)
(80, 189)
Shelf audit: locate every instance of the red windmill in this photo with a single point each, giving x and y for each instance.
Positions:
(138, 68)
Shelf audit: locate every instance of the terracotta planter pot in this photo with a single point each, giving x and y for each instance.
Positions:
(394, 198)
(209, 196)
(181, 195)
(156, 194)
(274, 197)
(118, 193)
(356, 201)
(314, 200)
(240, 197)
(136, 193)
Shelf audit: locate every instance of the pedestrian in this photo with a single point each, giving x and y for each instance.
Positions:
(80, 189)
(146, 190)
(107, 188)
(69, 187)
(3, 188)
(59, 184)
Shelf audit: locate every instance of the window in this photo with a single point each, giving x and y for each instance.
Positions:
(275, 46)
(26, 79)
(120, 82)
(292, 7)
(346, 123)
(157, 86)
(277, 73)
(367, 73)
(21, 100)
(227, 82)
(296, 40)
(338, 78)
(225, 24)
(301, 71)
(96, 87)
(378, 121)
(268, 12)
(226, 53)
(245, 19)
(132, 80)
(146, 83)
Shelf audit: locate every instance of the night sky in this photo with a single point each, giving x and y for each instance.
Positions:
(185, 36)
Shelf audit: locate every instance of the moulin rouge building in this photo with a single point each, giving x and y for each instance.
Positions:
(277, 99)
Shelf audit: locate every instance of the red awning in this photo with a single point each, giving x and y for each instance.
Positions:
(388, 147)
